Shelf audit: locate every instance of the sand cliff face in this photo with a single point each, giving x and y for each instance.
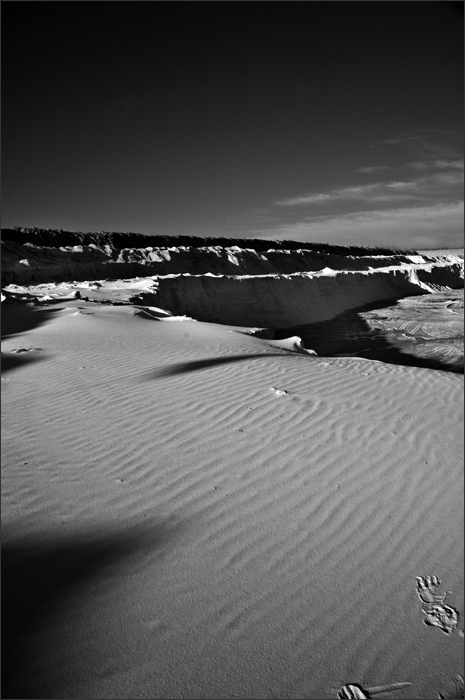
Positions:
(31, 263)
(268, 285)
(31, 256)
(289, 300)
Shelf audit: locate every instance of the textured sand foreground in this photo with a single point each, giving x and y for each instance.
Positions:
(192, 512)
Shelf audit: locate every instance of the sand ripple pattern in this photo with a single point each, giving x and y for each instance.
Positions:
(295, 542)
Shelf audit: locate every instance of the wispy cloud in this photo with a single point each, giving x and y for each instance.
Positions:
(436, 225)
(399, 139)
(441, 179)
(426, 143)
(372, 169)
(421, 206)
(455, 164)
(377, 192)
(315, 198)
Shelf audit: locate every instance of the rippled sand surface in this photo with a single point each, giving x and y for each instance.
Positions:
(189, 511)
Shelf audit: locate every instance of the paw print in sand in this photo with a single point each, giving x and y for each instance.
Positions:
(442, 616)
(428, 589)
(437, 613)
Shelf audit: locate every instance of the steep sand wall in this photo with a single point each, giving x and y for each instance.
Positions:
(55, 238)
(273, 287)
(290, 300)
(28, 263)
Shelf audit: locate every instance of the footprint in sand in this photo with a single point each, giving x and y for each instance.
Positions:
(458, 692)
(437, 613)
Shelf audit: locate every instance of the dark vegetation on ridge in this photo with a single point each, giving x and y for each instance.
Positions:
(54, 238)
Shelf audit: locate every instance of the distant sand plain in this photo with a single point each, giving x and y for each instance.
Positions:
(190, 511)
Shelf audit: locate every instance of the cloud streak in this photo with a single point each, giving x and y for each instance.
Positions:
(378, 192)
(372, 169)
(455, 164)
(422, 208)
(441, 180)
(426, 143)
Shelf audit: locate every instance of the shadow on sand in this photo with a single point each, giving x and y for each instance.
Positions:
(44, 577)
(20, 318)
(348, 334)
(195, 365)
(10, 362)
(17, 319)
(384, 352)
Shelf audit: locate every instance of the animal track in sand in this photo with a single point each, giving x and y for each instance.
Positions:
(437, 613)
(458, 692)
(428, 589)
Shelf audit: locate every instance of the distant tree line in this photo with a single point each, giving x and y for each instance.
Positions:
(54, 238)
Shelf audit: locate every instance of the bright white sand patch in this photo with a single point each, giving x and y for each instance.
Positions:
(293, 343)
(190, 512)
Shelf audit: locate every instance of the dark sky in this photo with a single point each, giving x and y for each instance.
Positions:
(316, 121)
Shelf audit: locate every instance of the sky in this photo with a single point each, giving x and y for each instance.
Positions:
(334, 122)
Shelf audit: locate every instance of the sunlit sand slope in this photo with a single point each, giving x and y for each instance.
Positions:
(191, 512)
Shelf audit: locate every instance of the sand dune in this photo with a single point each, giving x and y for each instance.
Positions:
(190, 511)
